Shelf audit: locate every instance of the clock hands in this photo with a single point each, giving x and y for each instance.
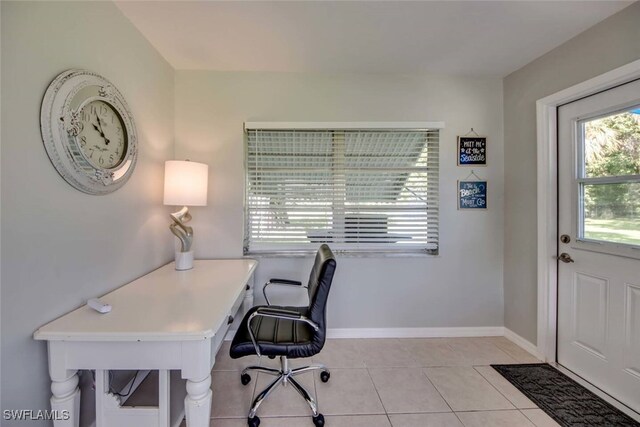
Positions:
(99, 129)
(99, 121)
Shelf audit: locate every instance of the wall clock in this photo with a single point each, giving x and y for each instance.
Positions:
(88, 132)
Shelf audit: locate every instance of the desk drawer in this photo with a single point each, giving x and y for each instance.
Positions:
(237, 304)
(233, 314)
(217, 339)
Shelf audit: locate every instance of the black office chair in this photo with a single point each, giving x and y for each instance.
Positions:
(288, 332)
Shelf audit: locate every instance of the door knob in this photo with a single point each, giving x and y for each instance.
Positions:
(565, 257)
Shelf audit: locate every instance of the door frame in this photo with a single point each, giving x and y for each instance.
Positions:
(547, 196)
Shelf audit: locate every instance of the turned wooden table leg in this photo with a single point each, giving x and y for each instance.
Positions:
(197, 404)
(65, 401)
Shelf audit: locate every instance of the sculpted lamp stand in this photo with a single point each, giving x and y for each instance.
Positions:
(185, 184)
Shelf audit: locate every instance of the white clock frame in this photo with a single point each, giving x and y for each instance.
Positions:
(59, 123)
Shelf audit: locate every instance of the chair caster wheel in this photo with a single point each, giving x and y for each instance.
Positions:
(324, 376)
(318, 420)
(271, 357)
(246, 379)
(253, 422)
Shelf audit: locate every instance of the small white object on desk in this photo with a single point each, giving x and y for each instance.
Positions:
(99, 306)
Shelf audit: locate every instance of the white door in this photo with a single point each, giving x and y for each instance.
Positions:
(599, 247)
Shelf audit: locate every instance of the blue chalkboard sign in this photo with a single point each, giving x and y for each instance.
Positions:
(472, 151)
(472, 194)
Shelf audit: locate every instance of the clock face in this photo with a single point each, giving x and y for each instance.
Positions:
(102, 138)
(88, 132)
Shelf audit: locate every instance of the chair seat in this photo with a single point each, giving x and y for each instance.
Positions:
(276, 337)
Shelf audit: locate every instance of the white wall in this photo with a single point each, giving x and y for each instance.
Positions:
(61, 246)
(461, 287)
(605, 46)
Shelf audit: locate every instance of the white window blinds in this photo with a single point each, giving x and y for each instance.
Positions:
(360, 190)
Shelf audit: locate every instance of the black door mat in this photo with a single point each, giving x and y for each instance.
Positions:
(563, 399)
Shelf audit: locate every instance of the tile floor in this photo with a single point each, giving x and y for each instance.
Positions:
(435, 382)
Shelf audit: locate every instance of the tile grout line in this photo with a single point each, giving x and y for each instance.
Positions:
(418, 365)
(487, 381)
(459, 419)
(529, 419)
(517, 358)
(378, 394)
(389, 419)
(506, 353)
(496, 388)
(435, 388)
(491, 410)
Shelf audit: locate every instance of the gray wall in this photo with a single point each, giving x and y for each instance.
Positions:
(368, 292)
(608, 45)
(60, 246)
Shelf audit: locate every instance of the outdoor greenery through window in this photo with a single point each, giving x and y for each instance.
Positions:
(359, 190)
(610, 181)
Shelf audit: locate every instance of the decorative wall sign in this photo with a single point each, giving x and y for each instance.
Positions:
(472, 151)
(472, 194)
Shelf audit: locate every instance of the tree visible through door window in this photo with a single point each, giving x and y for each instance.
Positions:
(610, 178)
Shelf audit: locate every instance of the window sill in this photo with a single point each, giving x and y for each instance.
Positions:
(342, 254)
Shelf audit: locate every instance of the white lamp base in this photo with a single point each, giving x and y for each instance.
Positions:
(184, 260)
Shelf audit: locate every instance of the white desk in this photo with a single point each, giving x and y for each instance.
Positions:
(165, 320)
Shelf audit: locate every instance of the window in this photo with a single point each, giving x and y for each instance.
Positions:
(359, 187)
(609, 178)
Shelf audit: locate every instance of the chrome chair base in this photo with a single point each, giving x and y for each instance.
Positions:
(284, 376)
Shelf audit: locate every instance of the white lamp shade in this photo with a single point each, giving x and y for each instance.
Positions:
(185, 183)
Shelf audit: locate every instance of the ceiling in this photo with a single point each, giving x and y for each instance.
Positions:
(442, 37)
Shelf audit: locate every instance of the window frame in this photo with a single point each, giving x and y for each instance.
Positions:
(581, 180)
(334, 126)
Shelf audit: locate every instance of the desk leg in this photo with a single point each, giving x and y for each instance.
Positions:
(65, 401)
(197, 404)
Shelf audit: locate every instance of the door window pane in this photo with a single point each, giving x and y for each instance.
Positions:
(612, 145)
(610, 178)
(612, 212)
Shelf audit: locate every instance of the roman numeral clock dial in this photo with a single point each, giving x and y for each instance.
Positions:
(88, 132)
(102, 138)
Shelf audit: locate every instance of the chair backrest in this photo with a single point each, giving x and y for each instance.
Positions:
(320, 283)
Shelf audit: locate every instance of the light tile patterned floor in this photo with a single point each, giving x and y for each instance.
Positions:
(435, 382)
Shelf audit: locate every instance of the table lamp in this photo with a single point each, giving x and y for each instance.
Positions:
(185, 184)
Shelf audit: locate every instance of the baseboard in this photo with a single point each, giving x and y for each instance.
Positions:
(524, 343)
(481, 331)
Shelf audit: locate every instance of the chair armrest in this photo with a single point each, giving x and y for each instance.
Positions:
(283, 313)
(284, 282)
(277, 313)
